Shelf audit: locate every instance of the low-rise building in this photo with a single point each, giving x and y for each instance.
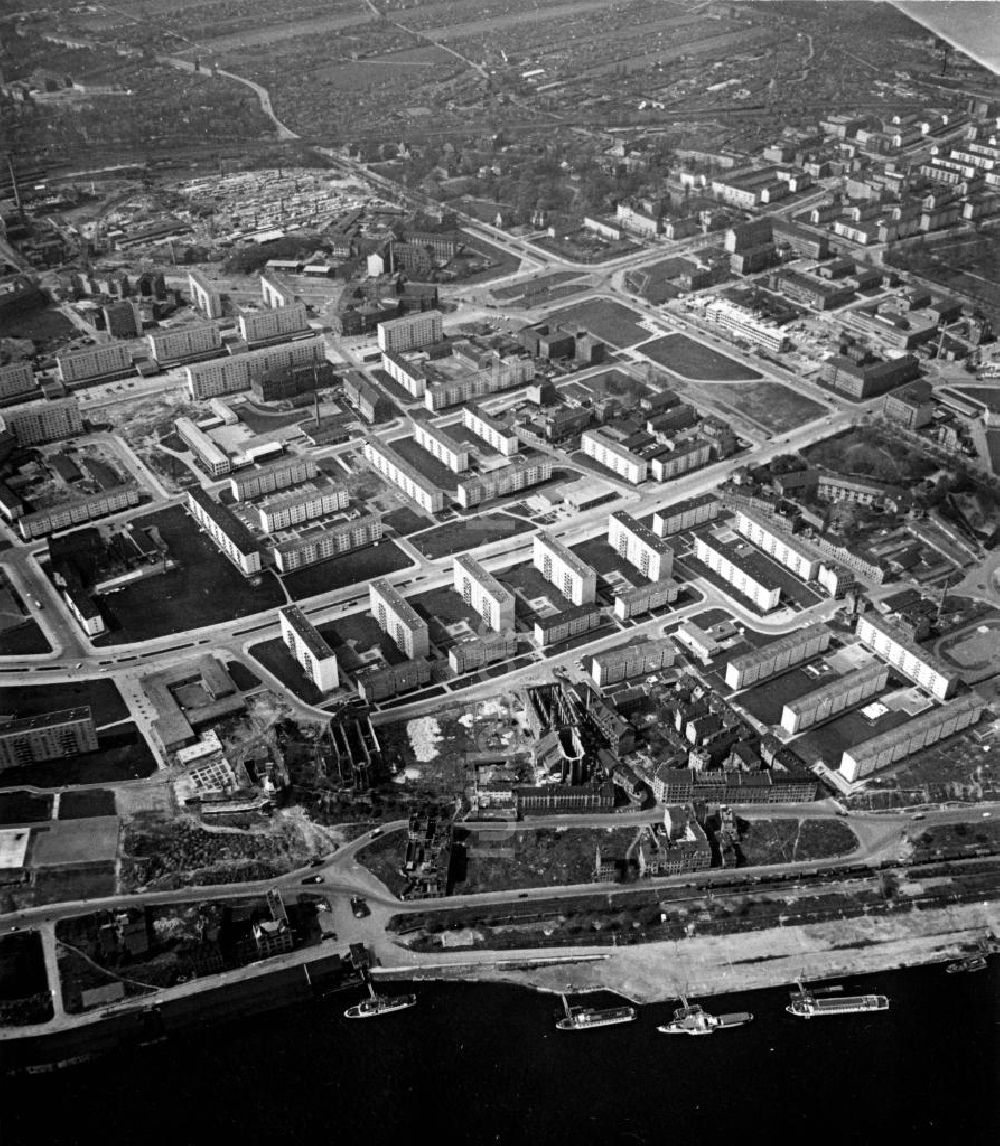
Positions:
(213, 460)
(309, 649)
(78, 510)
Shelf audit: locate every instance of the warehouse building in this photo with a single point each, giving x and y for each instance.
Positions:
(777, 657)
(441, 445)
(49, 736)
(914, 661)
(685, 515)
(560, 565)
(397, 469)
(494, 431)
(742, 567)
(291, 470)
(640, 546)
(398, 619)
(834, 697)
(320, 544)
(481, 591)
(309, 649)
(615, 665)
(230, 535)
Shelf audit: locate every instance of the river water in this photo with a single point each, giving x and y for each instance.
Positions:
(972, 25)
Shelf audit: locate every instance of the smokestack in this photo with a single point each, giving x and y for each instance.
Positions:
(316, 401)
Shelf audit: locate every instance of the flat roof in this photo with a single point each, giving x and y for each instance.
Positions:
(920, 652)
(440, 435)
(13, 847)
(793, 640)
(669, 511)
(498, 424)
(289, 461)
(837, 685)
(801, 545)
(397, 459)
(902, 732)
(485, 579)
(612, 445)
(743, 555)
(332, 529)
(225, 520)
(398, 603)
(299, 497)
(564, 553)
(306, 632)
(642, 532)
(194, 434)
(19, 724)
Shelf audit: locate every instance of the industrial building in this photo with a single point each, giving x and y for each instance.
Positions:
(911, 659)
(291, 470)
(229, 534)
(834, 697)
(920, 732)
(638, 599)
(560, 565)
(466, 656)
(605, 450)
(31, 739)
(398, 619)
(795, 553)
(481, 591)
(410, 332)
(108, 361)
(397, 469)
(494, 431)
(441, 445)
(740, 565)
(778, 656)
(326, 542)
(185, 342)
(685, 515)
(213, 460)
(43, 421)
(309, 649)
(296, 508)
(520, 474)
(78, 510)
(615, 665)
(640, 546)
(204, 296)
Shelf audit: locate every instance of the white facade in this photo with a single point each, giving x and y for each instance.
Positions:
(184, 342)
(502, 437)
(309, 649)
(410, 332)
(393, 466)
(597, 445)
(561, 566)
(293, 509)
(269, 479)
(912, 660)
(397, 619)
(794, 553)
(777, 657)
(639, 546)
(203, 295)
(763, 596)
(441, 445)
(43, 421)
(214, 460)
(483, 592)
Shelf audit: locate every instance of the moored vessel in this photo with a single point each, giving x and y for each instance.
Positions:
(695, 1020)
(805, 1005)
(968, 963)
(376, 1005)
(584, 1018)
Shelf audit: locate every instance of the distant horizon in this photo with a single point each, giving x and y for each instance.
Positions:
(963, 23)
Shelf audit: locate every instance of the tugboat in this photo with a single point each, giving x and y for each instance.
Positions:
(377, 1005)
(695, 1020)
(583, 1018)
(967, 963)
(805, 1005)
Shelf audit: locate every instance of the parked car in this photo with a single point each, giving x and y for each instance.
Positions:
(359, 908)
(313, 879)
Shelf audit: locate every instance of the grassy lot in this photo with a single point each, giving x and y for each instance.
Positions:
(699, 363)
(24, 984)
(23, 639)
(243, 678)
(24, 807)
(91, 802)
(769, 404)
(384, 858)
(961, 264)
(100, 695)
(355, 568)
(470, 533)
(56, 885)
(121, 755)
(975, 833)
(441, 607)
(276, 658)
(610, 321)
(405, 521)
(48, 329)
(863, 452)
(614, 383)
(207, 589)
(829, 742)
(358, 633)
(953, 769)
(785, 841)
(503, 263)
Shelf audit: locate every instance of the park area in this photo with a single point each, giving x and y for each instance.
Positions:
(770, 405)
(610, 321)
(468, 533)
(696, 362)
(357, 568)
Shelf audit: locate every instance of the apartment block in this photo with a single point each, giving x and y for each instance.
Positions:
(836, 696)
(494, 431)
(230, 375)
(382, 683)
(275, 291)
(612, 666)
(920, 732)
(777, 657)
(326, 542)
(741, 567)
(521, 474)
(204, 296)
(17, 382)
(230, 536)
(600, 446)
(795, 553)
(170, 346)
(500, 373)
(559, 565)
(467, 656)
(408, 372)
(260, 326)
(441, 445)
(911, 659)
(410, 332)
(43, 421)
(109, 361)
(639, 599)
(685, 515)
(78, 510)
(740, 322)
(289, 471)
(483, 592)
(397, 469)
(32, 739)
(640, 546)
(361, 394)
(296, 508)
(398, 619)
(309, 649)
(212, 459)
(685, 456)
(569, 623)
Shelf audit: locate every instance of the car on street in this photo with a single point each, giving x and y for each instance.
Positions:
(359, 908)
(313, 879)
(375, 833)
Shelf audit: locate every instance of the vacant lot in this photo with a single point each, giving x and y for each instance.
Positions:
(101, 696)
(384, 859)
(121, 755)
(700, 363)
(92, 840)
(24, 807)
(610, 321)
(59, 885)
(23, 640)
(405, 521)
(786, 841)
(769, 404)
(863, 452)
(82, 805)
(355, 568)
(470, 533)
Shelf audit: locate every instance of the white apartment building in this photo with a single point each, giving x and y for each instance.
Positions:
(268, 325)
(43, 421)
(398, 619)
(509, 479)
(296, 508)
(911, 659)
(640, 546)
(483, 592)
(494, 431)
(203, 295)
(684, 457)
(330, 541)
(398, 470)
(740, 322)
(112, 360)
(747, 575)
(686, 515)
(308, 648)
(184, 342)
(228, 375)
(275, 291)
(230, 535)
(441, 445)
(214, 461)
(410, 332)
(17, 380)
(501, 373)
(794, 553)
(291, 470)
(604, 449)
(559, 565)
(408, 372)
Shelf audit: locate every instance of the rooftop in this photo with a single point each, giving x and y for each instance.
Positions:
(305, 631)
(566, 555)
(404, 611)
(10, 725)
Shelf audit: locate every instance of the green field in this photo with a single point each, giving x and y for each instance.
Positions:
(610, 321)
(457, 536)
(769, 404)
(698, 363)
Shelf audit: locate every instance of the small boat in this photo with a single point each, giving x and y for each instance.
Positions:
(583, 1018)
(968, 963)
(805, 1005)
(695, 1020)
(377, 1005)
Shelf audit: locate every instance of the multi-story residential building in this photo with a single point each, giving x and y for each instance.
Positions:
(794, 553)
(275, 291)
(398, 470)
(834, 697)
(481, 591)
(560, 565)
(377, 684)
(291, 470)
(920, 732)
(567, 624)
(740, 322)
(309, 649)
(742, 567)
(494, 431)
(109, 361)
(408, 371)
(361, 394)
(329, 541)
(685, 456)
(17, 382)
(499, 483)
(296, 508)
(869, 379)
(229, 375)
(441, 445)
(230, 535)
(859, 491)
(78, 510)
(685, 515)
(184, 343)
(500, 372)
(777, 657)
(603, 448)
(640, 546)
(257, 327)
(41, 422)
(466, 656)
(31, 739)
(212, 459)
(911, 406)
(615, 665)
(911, 659)
(410, 332)
(204, 296)
(638, 599)
(398, 619)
